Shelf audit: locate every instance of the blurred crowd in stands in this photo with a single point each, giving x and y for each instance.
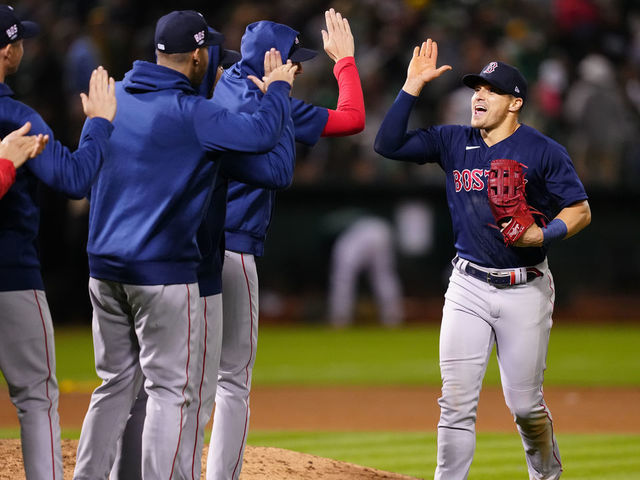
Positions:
(581, 57)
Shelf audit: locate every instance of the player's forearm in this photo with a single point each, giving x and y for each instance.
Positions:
(576, 217)
(349, 116)
(73, 173)
(392, 140)
(272, 170)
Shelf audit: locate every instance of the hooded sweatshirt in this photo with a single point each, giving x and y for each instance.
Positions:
(271, 170)
(249, 208)
(64, 171)
(152, 192)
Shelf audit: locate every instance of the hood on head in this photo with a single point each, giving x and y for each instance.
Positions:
(260, 37)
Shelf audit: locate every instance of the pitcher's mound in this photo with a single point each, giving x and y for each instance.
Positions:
(275, 464)
(259, 463)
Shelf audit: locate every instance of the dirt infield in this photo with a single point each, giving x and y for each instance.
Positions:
(575, 410)
(260, 463)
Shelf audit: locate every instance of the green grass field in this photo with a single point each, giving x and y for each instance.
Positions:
(580, 355)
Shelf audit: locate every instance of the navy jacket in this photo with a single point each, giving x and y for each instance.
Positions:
(249, 207)
(62, 170)
(152, 192)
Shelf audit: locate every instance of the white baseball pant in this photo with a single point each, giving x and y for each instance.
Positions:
(141, 331)
(517, 319)
(239, 342)
(128, 464)
(28, 363)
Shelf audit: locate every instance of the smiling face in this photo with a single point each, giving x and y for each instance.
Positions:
(491, 107)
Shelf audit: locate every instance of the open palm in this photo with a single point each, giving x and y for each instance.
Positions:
(423, 66)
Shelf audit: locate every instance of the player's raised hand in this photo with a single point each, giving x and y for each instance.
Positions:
(101, 100)
(337, 38)
(422, 68)
(272, 60)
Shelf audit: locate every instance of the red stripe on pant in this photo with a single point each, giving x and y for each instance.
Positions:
(246, 416)
(187, 382)
(46, 349)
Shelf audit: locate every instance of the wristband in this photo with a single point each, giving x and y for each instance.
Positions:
(556, 229)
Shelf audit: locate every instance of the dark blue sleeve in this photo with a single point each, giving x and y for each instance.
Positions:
(218, 129)
(67, 172)
(395, 142)
(561, 178)
(309, 121)
(273, 170)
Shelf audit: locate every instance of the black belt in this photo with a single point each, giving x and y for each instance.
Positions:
(501, 279)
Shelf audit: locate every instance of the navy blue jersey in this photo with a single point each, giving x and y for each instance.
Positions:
(551, 180)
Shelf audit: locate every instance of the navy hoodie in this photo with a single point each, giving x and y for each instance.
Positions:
(249, 208)
(151, 194)
(62, 170)
(272, 170)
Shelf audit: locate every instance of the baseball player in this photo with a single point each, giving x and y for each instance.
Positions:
(15, 149)
(146, 204)
(249, 210)
(270, 170)
(27, 355)
(501, 290)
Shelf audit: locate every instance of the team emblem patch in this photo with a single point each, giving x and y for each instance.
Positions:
(490, 68)
(12, 32)
(199, 37)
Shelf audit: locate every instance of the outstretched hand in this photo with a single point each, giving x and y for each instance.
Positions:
(422, 68)
(337, 38)
(101, 101)
(18, 147)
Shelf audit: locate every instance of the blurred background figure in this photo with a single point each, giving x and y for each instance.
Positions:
(364, 245)
(602, 126)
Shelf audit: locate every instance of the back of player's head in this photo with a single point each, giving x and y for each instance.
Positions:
(502, 76)
(12, 29)
(183, 31)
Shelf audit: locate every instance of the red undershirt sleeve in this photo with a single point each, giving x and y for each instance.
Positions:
(7, 175)
(348, 117)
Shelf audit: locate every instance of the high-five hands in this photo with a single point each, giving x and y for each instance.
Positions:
(274, 70)
(422, 68)
(337, 38)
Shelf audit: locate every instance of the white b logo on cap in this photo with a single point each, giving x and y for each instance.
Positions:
(490, 68)
(12, 32)
(199, 37)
